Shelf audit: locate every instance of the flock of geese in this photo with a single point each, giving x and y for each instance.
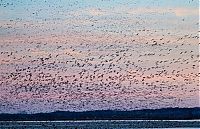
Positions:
(96, 63)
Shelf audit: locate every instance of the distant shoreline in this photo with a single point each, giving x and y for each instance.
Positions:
(169, 114)
(84, 121)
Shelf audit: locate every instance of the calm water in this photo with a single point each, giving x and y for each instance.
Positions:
(114, 124)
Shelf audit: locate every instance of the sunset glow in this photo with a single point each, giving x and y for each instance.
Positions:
(96, 55)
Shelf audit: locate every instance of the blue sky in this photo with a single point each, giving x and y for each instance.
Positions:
(18, 8)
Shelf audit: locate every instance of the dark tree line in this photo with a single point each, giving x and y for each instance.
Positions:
(147, 114)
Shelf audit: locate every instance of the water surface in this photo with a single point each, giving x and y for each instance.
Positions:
(103, 124)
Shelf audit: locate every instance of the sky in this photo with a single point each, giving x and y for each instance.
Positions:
(82, 55)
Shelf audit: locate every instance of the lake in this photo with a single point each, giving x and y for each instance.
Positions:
(102, 124)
